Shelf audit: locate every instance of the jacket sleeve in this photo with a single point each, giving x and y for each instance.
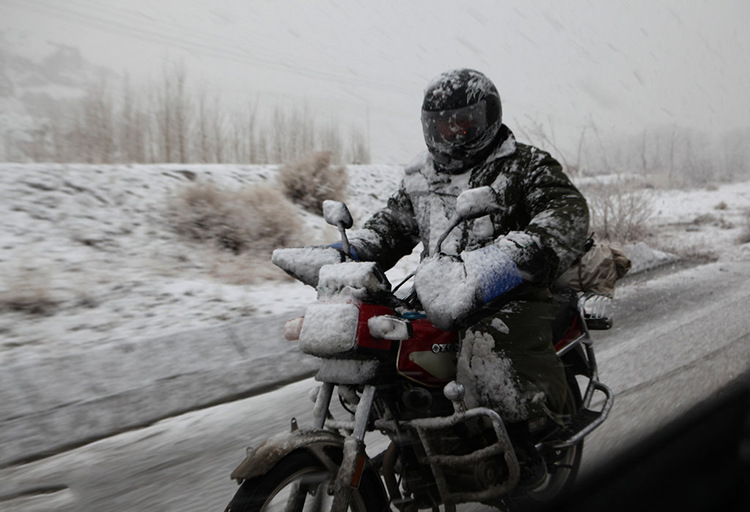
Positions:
(390, 234)
(559, 214)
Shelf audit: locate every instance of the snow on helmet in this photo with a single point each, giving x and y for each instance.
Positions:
(461, 117)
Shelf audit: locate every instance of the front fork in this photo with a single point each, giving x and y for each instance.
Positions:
(353, 463)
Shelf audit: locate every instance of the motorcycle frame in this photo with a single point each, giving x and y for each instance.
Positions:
(579, 353)
(346, 476)
(327, 431)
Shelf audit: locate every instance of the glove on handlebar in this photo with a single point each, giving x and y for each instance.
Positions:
(494, 271)
(450, 288)
(339, 246)
(304, 263)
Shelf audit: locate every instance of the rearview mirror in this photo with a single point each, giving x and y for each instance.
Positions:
(337, 214)
(477, 202)
(471, 204)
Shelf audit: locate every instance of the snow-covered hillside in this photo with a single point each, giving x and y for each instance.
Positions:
(93, 247)
(88, 255)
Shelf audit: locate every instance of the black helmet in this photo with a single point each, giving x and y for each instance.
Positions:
(461, 117)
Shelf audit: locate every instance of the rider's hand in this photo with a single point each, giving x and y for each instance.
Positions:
(444, 290)
(304, 263)
(451, 287)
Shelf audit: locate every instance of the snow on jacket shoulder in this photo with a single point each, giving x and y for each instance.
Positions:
(537, 198)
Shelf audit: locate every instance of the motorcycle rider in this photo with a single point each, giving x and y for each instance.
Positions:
(492, 277)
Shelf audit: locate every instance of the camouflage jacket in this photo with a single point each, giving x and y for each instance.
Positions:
(538, 199)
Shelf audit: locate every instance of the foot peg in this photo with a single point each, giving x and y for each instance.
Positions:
(585, 422)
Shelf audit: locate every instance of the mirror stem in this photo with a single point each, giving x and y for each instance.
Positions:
(344, 240)
(456, 221)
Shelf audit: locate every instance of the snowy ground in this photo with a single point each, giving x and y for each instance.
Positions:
(88, 256)
(92, 247)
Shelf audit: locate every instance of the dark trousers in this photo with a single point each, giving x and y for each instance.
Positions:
(507, 361)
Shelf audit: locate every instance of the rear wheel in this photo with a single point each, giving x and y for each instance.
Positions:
(562, 464)
(299, 482)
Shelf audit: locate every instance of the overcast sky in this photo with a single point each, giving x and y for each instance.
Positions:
(624, 64)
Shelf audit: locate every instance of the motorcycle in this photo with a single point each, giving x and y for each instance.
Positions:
(394, 375)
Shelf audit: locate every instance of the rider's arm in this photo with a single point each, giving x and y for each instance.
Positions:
(559, 214)
(390, 234)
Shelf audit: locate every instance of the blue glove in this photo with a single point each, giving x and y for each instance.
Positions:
(494, 271)
(451, 287)
(352, 250)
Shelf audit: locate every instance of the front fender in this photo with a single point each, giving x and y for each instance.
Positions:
(260, 460)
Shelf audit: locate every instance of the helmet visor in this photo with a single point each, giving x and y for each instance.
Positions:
(454, 126)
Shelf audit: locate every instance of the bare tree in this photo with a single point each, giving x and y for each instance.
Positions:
(133, 126)
(543, 135)
(303, 123)
(164, 115)
(172, 114)
(330, 141)
(359, 150)
(262, 146)
(242, 147)
(218, 132)
(96, 124)
(203, 128)
(671, 155)
(619, 209)
(279, 144)
(249, 134)
(644, 153)
(153, 148)
(165, 123)
(34, 145)
(182, 114)
(735, 153)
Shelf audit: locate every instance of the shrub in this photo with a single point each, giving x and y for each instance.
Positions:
(619, 211)
(311, 180)
(254, 219)
(28, 292)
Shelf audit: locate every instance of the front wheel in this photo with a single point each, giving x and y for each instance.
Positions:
(300, 482)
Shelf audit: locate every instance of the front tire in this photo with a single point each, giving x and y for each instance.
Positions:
(300, 482)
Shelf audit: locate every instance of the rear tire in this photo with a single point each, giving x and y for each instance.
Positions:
(301, 478)
(563, 464)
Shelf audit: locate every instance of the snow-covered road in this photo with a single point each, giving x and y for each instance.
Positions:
(679, 339)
